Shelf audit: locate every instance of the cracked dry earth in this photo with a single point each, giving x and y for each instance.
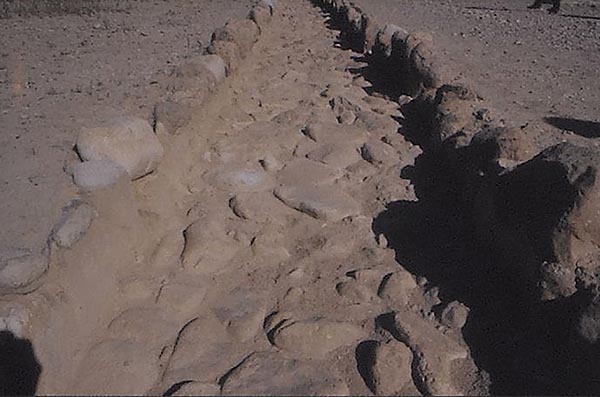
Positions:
(262, 273)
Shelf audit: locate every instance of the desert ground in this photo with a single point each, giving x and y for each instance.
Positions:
(328, 197)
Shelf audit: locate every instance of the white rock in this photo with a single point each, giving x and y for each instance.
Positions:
(128, 141)
(97, 174)
(74, 223)
(241, 179)
(21, 270)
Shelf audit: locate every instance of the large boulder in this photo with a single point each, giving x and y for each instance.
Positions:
(426, 66)
(503, 147)
(198, 66)
(547, 211)
(390, 371)
(448, 118)
(385, 38)
(436, 355)
(128, 141)
(97, 174)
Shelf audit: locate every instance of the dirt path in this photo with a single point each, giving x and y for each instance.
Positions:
(260, 272)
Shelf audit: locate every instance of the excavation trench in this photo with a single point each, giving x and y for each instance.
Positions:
(270, 238)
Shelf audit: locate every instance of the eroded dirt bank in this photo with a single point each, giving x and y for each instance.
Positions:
(332, 220)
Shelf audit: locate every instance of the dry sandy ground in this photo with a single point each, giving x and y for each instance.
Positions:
(528, 63)
(259, 257)
(59, 73)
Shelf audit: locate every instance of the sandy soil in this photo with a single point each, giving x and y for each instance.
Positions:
(59, 73)
(294, 239)
(528, 63)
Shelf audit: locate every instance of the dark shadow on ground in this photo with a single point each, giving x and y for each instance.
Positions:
(19, 368)
(584, 128)
(518, 341)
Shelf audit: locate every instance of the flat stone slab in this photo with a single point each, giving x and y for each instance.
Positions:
(321, 202)
(335, 134)
(317, 338)
(336, 156)
(303, 171)
(268, 373)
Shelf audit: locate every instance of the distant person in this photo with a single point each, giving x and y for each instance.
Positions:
(555, 5)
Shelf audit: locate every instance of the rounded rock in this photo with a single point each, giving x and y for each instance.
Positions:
(21, 270)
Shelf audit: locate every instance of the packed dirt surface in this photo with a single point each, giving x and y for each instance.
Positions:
(65, 71)
(305, 208)
(530, 64)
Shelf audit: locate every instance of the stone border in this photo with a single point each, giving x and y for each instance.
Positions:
(531, 204)
(112, 155)
(474, 151)
(128, 147)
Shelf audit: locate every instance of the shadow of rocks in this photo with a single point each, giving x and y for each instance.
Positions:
(584, 128)
(19, 368)
(518, 339)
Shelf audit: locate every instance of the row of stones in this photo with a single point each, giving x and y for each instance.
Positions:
(129, 147)
(452, 120)
(407, 55)
(526, 196)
